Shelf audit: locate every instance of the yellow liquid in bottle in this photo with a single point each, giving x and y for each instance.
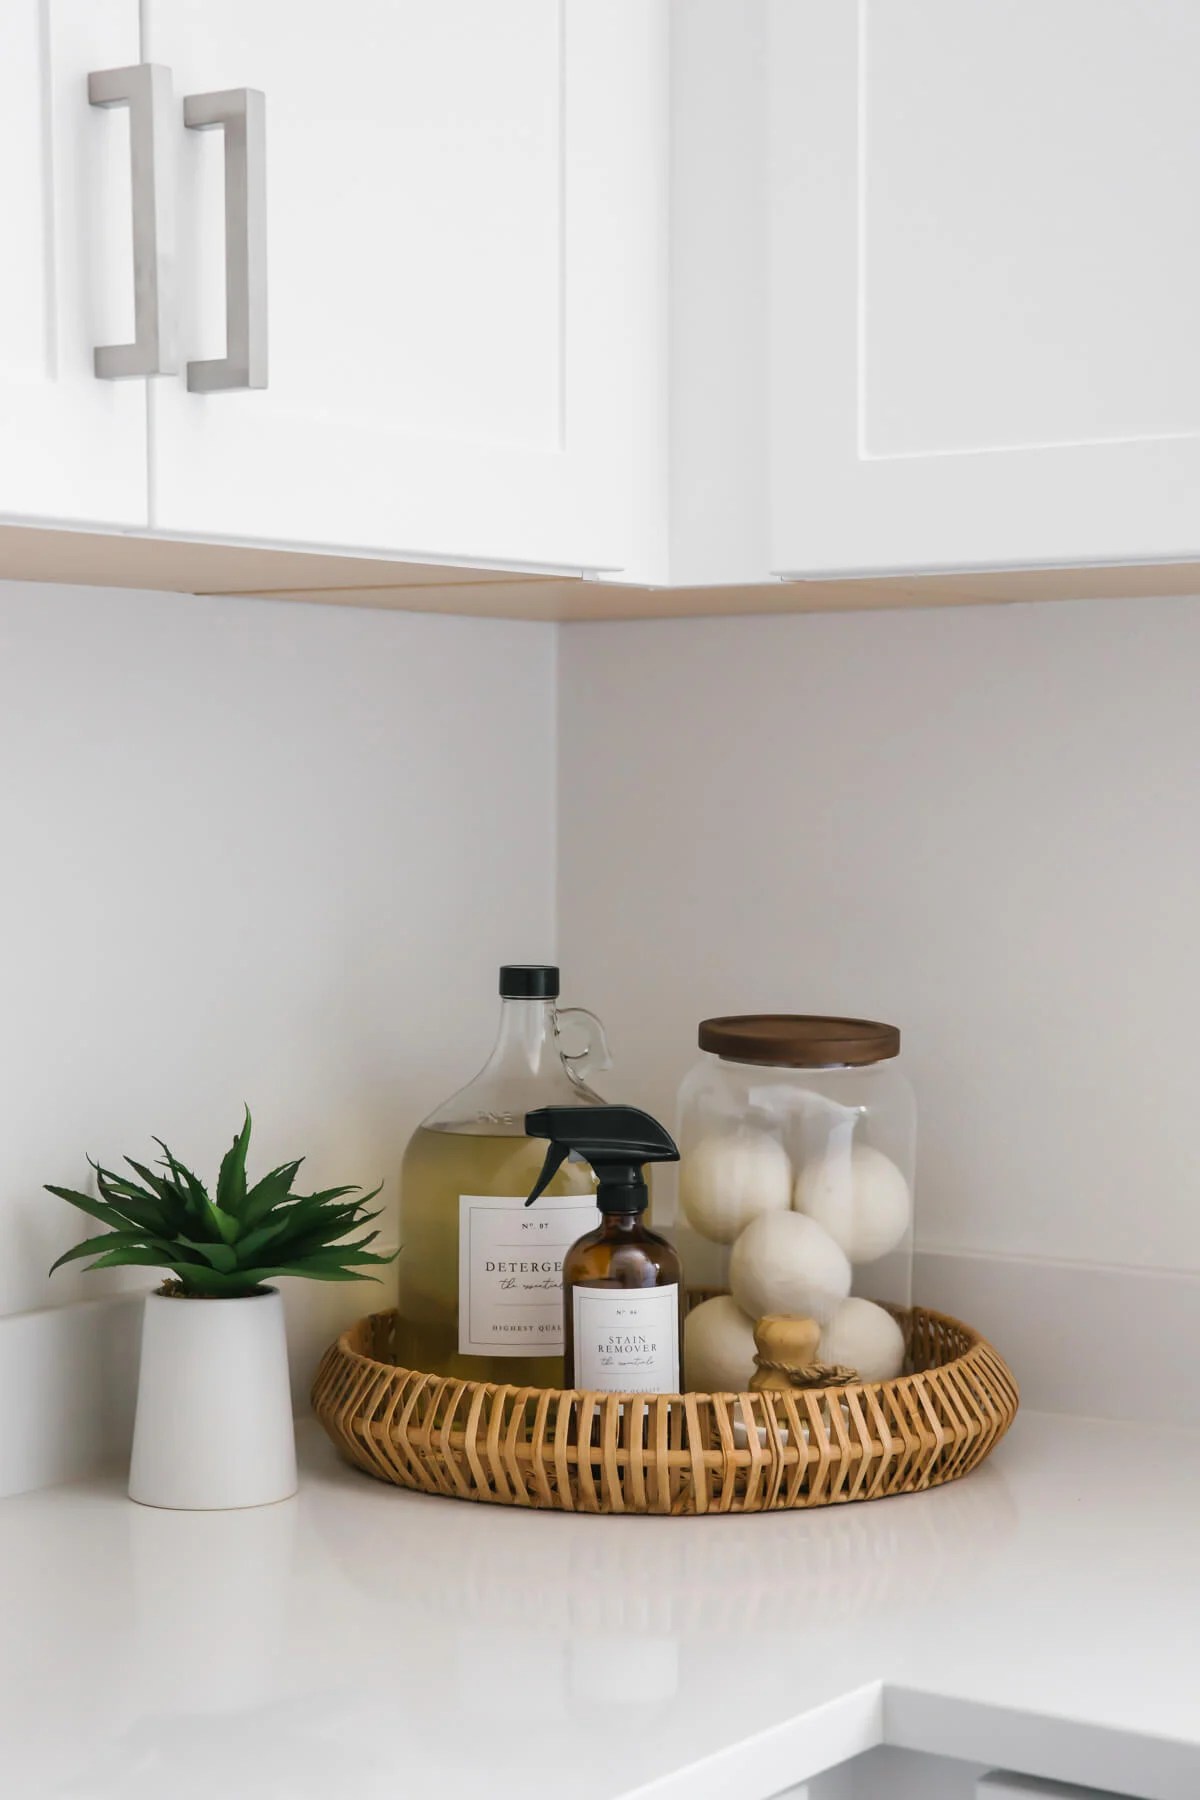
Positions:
(440, 1166)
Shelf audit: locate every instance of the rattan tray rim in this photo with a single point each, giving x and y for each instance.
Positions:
(504, 1443)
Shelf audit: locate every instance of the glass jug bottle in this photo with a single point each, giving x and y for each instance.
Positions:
(480, 1276)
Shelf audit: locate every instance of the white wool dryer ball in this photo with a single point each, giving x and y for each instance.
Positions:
(786, 1264)
(725, 1182)
(861, 1198)
(864, 1337)
(718, 1348)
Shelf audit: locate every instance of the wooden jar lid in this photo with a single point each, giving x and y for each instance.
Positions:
(799, 1040)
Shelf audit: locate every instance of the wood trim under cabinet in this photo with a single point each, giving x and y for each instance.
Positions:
(103, 559)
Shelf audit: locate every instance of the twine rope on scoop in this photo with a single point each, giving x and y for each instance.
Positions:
(810, 1375)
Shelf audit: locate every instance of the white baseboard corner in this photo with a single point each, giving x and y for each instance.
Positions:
(68, 1375)
(1064, 1329)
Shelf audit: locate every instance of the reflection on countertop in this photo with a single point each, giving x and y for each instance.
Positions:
(362, 1640)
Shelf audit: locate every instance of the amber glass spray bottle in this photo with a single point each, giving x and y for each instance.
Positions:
(622, 1283)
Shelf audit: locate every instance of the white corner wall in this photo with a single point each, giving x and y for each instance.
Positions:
(251, 850)
(276, 852)
(983, 824)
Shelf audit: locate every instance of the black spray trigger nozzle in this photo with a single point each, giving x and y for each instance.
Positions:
(616, 1140)
(555, 1158)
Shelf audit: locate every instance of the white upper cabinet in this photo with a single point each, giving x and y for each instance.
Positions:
(72, 447)
(466, 282)
(984, 282)
(676, 292)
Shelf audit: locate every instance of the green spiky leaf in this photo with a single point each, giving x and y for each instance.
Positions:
(118, 1259)
(310, 1273)
(219, 1256)
(186, 1184)
(231, 1182)
(132, 1201)
(225, 1226)
(108, 1241)
(95, 1209)
(155, 1183)
(269, 1193)
(231, 1242)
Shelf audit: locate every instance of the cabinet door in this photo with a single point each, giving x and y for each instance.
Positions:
(985, 283)
(71, 447)
(461, 288)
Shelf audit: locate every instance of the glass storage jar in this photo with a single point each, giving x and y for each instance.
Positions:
(797, 1137)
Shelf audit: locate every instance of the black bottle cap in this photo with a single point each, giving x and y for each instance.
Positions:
(528, 981)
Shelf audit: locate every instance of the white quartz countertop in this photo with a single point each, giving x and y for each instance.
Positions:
(358, 1641)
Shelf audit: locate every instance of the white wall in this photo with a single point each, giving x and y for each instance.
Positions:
(276, 852)
(256, 851)
(982, 824)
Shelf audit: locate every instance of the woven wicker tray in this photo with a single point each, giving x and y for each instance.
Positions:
(669, 1453)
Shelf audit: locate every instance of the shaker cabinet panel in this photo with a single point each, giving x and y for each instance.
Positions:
(984, 287)
(455, 211)
(71, 447)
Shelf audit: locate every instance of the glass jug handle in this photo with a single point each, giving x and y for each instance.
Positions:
(595, 1056)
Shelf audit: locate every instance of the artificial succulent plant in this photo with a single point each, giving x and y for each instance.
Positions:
(227, 1244)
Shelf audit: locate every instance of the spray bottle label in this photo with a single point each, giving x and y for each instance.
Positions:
(510, 1271)
(627, 1340)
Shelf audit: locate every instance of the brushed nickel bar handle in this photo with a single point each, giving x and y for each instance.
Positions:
(242, 114)
(145, 88)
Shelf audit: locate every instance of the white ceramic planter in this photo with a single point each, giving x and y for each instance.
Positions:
(214, 1408)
